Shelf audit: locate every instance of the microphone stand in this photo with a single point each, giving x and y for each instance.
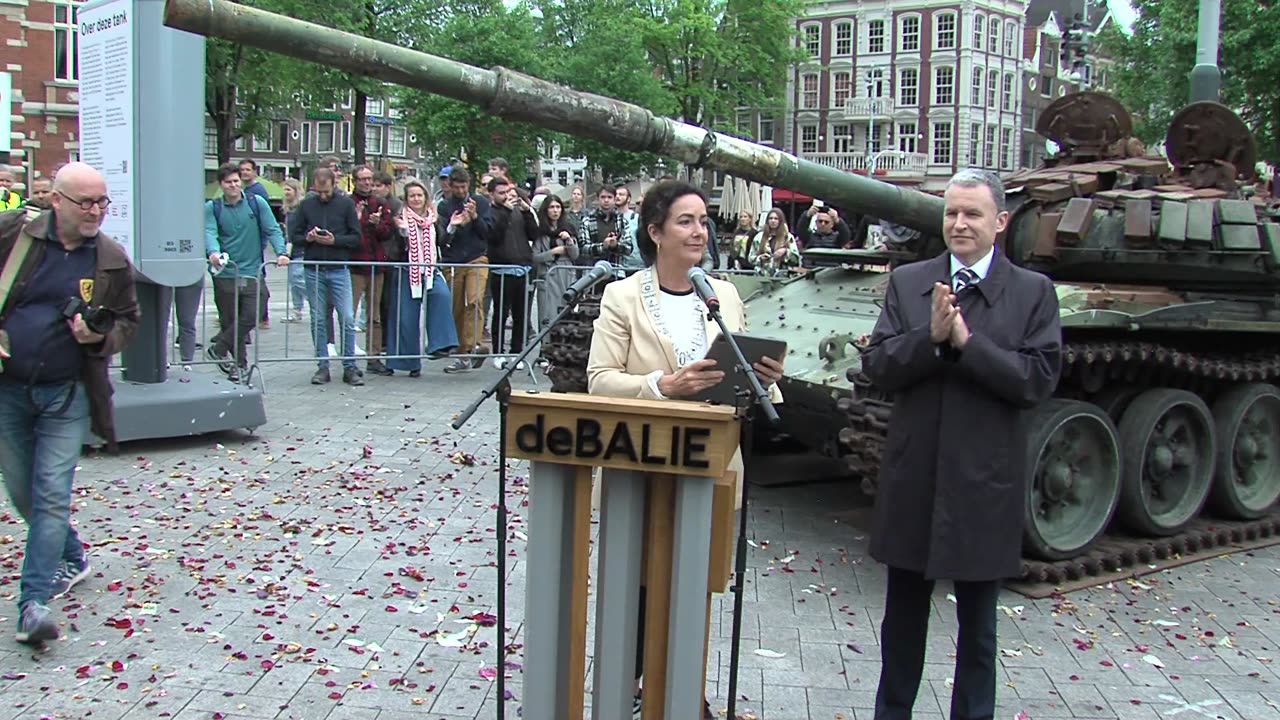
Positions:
(759, 402)
(501, 387)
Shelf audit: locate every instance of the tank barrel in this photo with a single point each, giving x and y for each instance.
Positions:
(515, 96)
(1206, 78)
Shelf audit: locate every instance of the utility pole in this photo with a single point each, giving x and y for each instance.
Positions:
(1206, 78)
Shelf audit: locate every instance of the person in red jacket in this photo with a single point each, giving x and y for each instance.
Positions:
(377, 224)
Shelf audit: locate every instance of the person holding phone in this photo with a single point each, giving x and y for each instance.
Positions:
(327, 227)
(652, 335)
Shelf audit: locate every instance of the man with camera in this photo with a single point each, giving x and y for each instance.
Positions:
(67, 304)
(604, 234)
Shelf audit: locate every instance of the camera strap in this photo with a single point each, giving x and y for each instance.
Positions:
(17, 256)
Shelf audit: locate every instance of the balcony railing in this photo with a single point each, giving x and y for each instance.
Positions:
(887, 162)
(855, 108)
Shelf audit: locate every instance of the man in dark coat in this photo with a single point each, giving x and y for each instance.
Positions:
(966, 343)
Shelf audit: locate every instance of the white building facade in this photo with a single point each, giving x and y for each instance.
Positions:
(909, 91)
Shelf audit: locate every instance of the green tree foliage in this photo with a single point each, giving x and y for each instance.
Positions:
(245, 88)
(483, 33)
(1151, 76)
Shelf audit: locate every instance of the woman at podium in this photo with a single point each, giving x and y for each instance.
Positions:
(653, 332)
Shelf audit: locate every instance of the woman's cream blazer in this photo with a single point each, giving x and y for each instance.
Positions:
(626, 346)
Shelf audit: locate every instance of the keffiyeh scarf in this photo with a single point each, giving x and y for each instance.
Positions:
(420, 241)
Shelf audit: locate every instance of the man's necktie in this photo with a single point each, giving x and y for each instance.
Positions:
(963, 278)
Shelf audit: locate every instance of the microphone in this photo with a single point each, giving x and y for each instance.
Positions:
(600, 271)
(703, 288)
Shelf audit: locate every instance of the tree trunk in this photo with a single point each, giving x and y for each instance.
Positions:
(224, 120)
(357, 126)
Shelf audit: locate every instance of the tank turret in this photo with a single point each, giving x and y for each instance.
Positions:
(1167, 274)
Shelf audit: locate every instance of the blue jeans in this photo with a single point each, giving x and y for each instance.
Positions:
(39, 448)
(297, 285)
(330, 286)
(405, 324)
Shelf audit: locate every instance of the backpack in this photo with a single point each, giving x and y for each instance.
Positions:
(253, 201)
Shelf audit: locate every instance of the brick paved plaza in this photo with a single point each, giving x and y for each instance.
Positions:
(339, 565)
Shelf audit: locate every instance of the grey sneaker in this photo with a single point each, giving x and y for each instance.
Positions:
(36, 625)
(223, 359)
(459, 365)
(67, 576)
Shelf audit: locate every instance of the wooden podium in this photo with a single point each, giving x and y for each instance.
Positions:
(666, 517)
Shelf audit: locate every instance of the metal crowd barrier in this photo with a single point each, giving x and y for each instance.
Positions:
(205, 322)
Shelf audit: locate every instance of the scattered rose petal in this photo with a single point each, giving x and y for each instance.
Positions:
(771, 654)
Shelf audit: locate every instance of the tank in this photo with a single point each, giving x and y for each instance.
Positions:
(1166, 272)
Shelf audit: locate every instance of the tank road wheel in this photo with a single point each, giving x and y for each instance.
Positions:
(1166, 440)
(1074, 452)
(1247, 484)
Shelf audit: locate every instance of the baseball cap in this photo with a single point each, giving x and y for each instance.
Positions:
(444, 171)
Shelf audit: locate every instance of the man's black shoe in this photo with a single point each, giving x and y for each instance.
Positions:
(352, 377)
(378, 368)
(321, 377)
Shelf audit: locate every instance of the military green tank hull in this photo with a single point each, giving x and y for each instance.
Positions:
(1168, 277)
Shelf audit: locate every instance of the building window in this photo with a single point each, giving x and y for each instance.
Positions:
(744, 123)
(373, 139)
(282, 137)
(808, 139)
(907, 137)
(262, 143)
(66, 40)
(1029, 118)
(975, 144)
(325, 141)
(1006, 149)
(1010, 38)
(809, 96)
(942, 143)
(397, 144)
(908, 87)
(993, 85)
(875, 36)
(993, 41)
(844, 39)
(841, 86)
(241, 141)
(1006, 92)
(306, 138)
(989, 148)
(979, 31)
(944, 85)
(766, 131)
(375, 107)
(875, 83)
(210, 140)
(841, 138)
(344, 136)
(945, 38)
(909, 34)
(975, 98)
(813, 40)
(875, 139)
(562, 177)
(1046, 86)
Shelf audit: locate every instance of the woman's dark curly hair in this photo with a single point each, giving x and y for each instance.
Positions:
(656, 208)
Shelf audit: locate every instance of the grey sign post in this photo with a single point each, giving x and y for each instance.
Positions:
(142, 127)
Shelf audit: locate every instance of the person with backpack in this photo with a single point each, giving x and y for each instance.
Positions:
(235, 226)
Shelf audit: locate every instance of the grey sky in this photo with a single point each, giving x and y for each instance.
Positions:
(1123, 13)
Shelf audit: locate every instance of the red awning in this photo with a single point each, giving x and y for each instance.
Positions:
(780, 196)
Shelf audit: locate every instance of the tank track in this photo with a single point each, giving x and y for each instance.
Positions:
(569, 344)
(1089, 367)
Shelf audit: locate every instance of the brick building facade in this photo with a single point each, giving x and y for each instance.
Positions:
(39, 40)
(912, 90)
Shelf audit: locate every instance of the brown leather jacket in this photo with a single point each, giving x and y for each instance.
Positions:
(112, 289)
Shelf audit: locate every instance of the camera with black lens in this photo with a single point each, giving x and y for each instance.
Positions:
(97, 319)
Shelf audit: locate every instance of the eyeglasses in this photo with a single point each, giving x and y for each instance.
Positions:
(88, 203)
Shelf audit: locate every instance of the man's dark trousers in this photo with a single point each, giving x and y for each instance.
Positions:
(237, 301)
(903, 637)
